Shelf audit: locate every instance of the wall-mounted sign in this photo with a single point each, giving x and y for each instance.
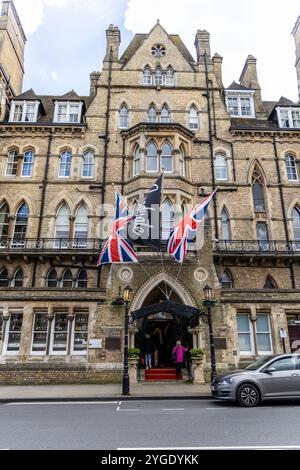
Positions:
(95, 344)
(283, 333)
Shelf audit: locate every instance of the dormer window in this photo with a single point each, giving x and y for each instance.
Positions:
(67, 112)
(24, 111)
(240, 104)
(289, 118)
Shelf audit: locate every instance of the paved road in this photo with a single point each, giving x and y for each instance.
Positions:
(148, 424)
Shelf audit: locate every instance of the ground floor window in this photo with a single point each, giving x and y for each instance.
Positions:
(40, 333)
(254, 337)
(59, 334)
(80, 333)
(13, 333)
(293, 321)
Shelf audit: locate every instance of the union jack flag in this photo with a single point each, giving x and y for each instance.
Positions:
(117, 250)
(185, 231)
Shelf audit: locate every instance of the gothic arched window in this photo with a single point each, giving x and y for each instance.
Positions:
(18, 278)
(166, 158)
(167, 219)
(270, 283)
(124, 117)
(147, 76)
(226, 235)
(12, 163)
(67, 280)
(88, 165)
(158, 77)
(226, 280)
(4, 221)
(193, 119)
(65, 164)
(181, 161)
(137, 161)
(152, 115)
(52, 279)
(296, 223)
(170, 76)
(221, 170)
(28, 162)
(81, 226)
(152, 159)
(82, 279)
(21, 224)
(62, 226)
(165, 115)
(258, 192)
(291, 168)
(4, 278)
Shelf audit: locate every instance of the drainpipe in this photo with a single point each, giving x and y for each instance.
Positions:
(43, 199)
(123, 166)
(106, 142)
(210, 139)
(283, 209)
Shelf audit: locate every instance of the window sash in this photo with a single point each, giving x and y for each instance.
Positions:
(240, 105)
(12, 164)
(263, 334)
(291, 169)
(88, 165)
(152, 115)
(79, 342)
(67, 112)
(137, 163)
(59, 335)
(13, 334)
(27, 166)
(123, 118)
(65, 165)
(245, 336)
(147, 77)
(169, 77)
(289, 118)
(158, 77)
(25, 111)
(39, 334)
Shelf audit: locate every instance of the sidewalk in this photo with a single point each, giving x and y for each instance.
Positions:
(142, 391)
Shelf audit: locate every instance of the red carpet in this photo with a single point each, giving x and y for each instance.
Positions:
(160, 374)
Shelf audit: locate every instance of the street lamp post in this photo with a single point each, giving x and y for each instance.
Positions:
(126, 296)
(210, 303)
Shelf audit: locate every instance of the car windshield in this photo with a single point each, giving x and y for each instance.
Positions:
(260, 362)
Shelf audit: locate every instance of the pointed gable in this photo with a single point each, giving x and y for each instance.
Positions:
(70, 96)
(28, 95)
(139, 52)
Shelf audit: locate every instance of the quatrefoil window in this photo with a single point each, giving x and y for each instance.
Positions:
(158, 51)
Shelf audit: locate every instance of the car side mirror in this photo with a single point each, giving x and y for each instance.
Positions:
(270, 370)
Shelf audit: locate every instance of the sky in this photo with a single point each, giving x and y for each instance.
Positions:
(66, 38)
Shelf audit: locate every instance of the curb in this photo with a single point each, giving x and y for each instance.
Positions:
(4, 401)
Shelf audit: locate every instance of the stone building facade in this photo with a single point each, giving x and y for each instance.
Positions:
(153, 107)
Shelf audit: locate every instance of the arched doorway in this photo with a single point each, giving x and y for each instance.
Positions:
(166, 319)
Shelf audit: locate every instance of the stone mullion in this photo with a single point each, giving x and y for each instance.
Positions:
(5, 319)
(71, 319)
(50, 319)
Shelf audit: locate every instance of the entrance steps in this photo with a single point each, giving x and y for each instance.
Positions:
(156, 375)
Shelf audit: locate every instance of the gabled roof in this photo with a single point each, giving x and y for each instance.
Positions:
(70, 96)
(139, 38)
(27, 95)
(236, 86)
(285, 102)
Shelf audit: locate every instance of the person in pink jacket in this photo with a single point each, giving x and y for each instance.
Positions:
(177, 354)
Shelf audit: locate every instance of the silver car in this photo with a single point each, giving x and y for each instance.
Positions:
(270, 377)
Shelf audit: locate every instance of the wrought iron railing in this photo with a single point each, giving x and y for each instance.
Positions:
(257, 246)
(50, 244)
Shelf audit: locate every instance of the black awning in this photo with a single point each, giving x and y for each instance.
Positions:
(184, 311)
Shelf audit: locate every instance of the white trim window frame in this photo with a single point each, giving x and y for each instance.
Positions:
(147, 77)
(56, 344)
(24, 111)
(67, 112)
(10, 334)
(152, 159)
(221, 167)
(137, 162)
(288, 118)
(239, 110)
(291, 167)
(260, 332)
(245, 330)
(123, 117)
(88, 165)
(39, 329)
(28, 164)
(81, 334)
(12, 163)
(65, 164)
(166, 158)
(193, 118)
(170, 77)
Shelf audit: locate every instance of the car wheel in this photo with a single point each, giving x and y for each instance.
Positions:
(248, 395)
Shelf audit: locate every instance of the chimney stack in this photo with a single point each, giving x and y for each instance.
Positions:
(113, 41)
(202, 44)
(217, 61)
(249, 79)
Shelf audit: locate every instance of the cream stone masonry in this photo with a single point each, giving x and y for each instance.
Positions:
(60, 318)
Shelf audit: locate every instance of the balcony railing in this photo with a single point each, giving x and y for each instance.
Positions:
(54, 245)
(257, 247)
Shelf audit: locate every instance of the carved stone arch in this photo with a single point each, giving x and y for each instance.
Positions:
(194, 104)
(179, 288)
(295, 204)
(256, 165)
(153, 105)
(4, 201)
(20, 204)
(13, 147)
(222, 151)
(270, 282)
(62, 203)
(85, 203)
(88, 148)
(166, 140)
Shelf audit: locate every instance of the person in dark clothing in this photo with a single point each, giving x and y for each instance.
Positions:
(148, 351)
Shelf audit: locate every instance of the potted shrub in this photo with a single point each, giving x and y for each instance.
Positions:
(197, 354)
(133, 359)
(134, 353)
